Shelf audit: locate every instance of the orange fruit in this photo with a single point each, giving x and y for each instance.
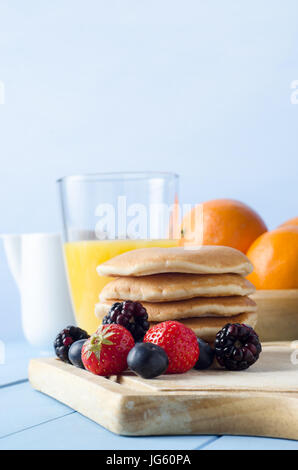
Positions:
(222, 222)
(274, 256)
(291, 222)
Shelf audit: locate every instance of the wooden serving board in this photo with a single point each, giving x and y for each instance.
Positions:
(262, 401)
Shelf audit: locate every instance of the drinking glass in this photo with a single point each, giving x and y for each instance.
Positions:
(107, 214)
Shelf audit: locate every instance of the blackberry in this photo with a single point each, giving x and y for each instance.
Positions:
(132, 315)
(237, 346)
(65, 339)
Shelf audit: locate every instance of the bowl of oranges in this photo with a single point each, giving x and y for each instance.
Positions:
(273, 253)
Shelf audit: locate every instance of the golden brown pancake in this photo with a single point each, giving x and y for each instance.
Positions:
(172, 287)
(198, 307)
(191, 260)
(207, 328)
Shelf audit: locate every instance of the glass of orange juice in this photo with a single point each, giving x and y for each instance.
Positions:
(107, 214)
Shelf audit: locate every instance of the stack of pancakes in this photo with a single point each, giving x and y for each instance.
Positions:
(204, 288)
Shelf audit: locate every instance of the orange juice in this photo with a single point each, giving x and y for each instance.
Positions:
(82, 259)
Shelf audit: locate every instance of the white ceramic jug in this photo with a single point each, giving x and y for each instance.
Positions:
(37, 265)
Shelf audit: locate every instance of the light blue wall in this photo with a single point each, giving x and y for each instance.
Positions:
(198, 87)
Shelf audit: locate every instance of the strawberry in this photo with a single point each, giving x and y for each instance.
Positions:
(178, 341)
(105, 353)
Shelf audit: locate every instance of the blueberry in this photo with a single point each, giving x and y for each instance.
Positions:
(147, 360)
(206, 356)
(74, 353)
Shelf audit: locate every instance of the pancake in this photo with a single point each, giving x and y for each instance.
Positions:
(172, 287)
(207, 328)
(194, 260)
(198, 307)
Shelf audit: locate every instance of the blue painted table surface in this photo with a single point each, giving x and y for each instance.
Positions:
(31, 420)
